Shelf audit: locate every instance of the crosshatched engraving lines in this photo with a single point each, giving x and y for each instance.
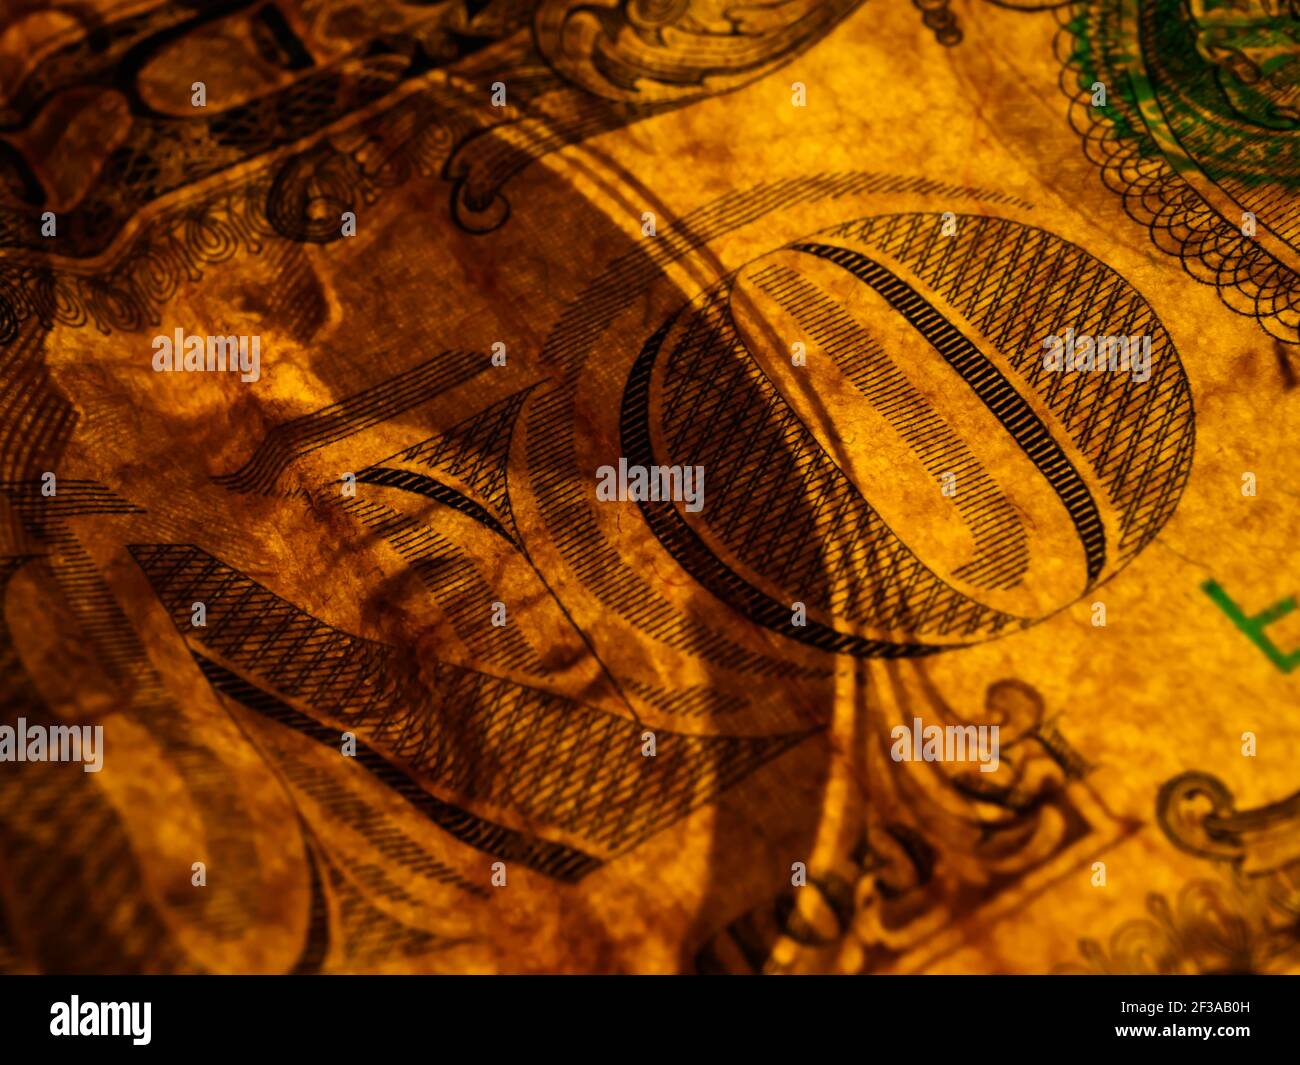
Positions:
(1001, 543)
(997, 394)
(1137, 438)
(291, 440)
(777, 500)
(550, 759)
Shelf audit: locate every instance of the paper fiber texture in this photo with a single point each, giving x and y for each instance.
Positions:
(650, 487)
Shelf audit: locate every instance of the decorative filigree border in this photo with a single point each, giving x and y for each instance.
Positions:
(1213, 251)
(1245, 922)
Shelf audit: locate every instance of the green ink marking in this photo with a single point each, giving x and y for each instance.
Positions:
(1254, 627)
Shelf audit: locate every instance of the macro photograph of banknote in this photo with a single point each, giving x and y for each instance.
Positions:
(645, 487)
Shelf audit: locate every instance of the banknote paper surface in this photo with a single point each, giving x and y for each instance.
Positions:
(660, 486)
